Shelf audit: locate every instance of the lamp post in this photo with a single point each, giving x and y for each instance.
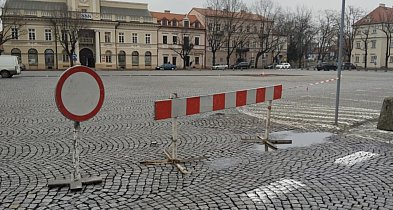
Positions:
(340, 62)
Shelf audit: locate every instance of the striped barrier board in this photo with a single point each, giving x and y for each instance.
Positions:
(171, 108)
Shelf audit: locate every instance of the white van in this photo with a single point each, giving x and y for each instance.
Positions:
(9, 66)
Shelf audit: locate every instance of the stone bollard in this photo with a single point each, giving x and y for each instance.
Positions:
(386, 117)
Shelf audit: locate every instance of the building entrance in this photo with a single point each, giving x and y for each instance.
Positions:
(86, 57)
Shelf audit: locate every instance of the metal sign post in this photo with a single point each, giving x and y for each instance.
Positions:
(70, 95)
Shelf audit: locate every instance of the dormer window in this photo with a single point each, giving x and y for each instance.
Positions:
(164, 22)
(186, 23)
(174, 23)
(197, 25)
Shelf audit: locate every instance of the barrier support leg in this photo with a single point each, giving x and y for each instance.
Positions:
(76, 181)
(171, 152)
(266, 139)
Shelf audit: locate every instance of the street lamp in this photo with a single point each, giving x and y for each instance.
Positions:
(340, 61)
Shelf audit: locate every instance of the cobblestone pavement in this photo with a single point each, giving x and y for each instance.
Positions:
(351, 170)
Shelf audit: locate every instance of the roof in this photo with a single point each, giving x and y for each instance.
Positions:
(379, 15)
(125, 11)
(212, 13)
(35, 5)
(173, 16)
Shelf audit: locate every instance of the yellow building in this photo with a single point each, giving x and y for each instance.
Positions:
(116, 35)
(175, 32)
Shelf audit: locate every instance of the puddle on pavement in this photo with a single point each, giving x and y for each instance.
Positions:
(298, 139)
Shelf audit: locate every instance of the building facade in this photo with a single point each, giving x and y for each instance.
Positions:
(244, 30)
(116, 35)
(372, 44)
(181, 40)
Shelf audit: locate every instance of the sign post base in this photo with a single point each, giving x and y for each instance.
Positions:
(76, 184)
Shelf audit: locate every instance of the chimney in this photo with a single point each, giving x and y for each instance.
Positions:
(382, 5)
(167, 11)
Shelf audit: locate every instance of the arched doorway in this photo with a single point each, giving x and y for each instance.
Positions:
(86, 57)
(49, 58)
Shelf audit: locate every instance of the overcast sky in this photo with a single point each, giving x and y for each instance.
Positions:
(184, 6)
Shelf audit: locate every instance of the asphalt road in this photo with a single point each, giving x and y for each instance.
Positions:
(349, 170)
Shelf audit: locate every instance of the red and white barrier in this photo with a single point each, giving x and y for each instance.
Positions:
(178, 107)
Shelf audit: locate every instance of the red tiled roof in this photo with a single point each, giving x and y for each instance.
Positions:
(212, 13)
(379, 15)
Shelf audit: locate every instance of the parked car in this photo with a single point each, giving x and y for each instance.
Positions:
(348, 66)
(283, 66)
(166, 66)
(271, 66)
(241, 65)
(220, 67)
(9, 66)
(326, 66)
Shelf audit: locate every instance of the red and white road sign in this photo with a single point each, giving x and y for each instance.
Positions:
(79, 93)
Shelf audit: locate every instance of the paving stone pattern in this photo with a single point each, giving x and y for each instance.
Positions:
(36, 146)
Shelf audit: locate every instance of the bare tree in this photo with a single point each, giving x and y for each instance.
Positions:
(364, 33)
(214, 34)
(301, 34)
(352, 15)
(184, 47)
(327, 33)
(269, 34)
(12, 24)
(236, 24)
(67, 25)
(387, 29)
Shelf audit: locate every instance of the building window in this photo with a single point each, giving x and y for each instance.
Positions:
(135, 58)
(48, 34)
(373, 59)
(374, 30)
(373, 44)
(357, 59)
(186, 23)
(357, 45)
(174, 23)
(108, 56)
(196, 40)
(17, 52)
(197, 25)
(31, 34)
(122, 58)
(107, 37)
(391, 59)
(14, 33)
(66, 58)
(174, 59)
(196, 60)
(134, 38)
(148, 58)
(33, 57)
(148, 38)
(165, 39)
(165, 59)
(49, 58)
(64, 36)
(174, 39)
(164, 22)
(121, 37)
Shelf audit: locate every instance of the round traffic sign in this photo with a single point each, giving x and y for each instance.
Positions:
(79, 93)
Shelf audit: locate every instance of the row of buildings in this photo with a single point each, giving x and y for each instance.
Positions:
(121, 35)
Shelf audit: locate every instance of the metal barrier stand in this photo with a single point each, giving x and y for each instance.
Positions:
(171, 155)
(266, 139)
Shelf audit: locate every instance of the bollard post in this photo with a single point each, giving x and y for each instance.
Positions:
(174, 132)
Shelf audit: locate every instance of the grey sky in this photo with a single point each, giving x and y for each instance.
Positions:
(184, 6)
